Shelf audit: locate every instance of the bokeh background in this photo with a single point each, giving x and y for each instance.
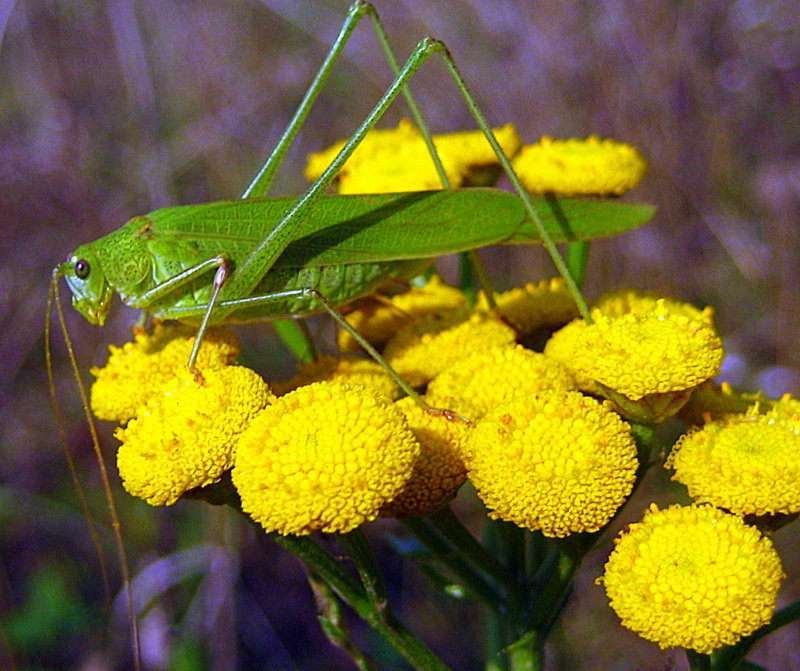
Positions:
(109, 109)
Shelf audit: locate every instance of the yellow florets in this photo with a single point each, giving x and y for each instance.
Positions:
(747, 464)
(421, 350)
(377, 320)
(392, 160)
(324, 457)
(624, 301)
(185, 436)
(485, 378)
(638, 355)
(580, 167)
(352, 369)
(545, 305)
(560, 462)
(438, 470)
(138, 369)
(694, 577)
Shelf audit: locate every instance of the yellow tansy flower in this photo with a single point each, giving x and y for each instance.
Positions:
(438, 470)
(421, 350)
(325, 457)
(579, 167)
(185, 436)
(378, 320)
(138, 369)
(646, 363)
(694, 577)
(748, 464)
(392, 160)
(560, 462)
(488, 377)
(351, 369)
(545, 305)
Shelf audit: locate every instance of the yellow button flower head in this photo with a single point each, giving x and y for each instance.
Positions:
(579, 167)
(325, 457)
(486, 378)
(392, 160)
(138, 369)
(548, 304)
(351, 369)
(560, 462)
(438, 470)
(423, 349)
(646, 363)
(377, 321)
(748, 463)
(185, 437)
(694, 577)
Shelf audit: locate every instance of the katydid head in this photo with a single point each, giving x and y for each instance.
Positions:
(91, 291)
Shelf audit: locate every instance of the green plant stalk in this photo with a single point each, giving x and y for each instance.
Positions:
(354, 595)
(553, 596)
(450, 556)
(451, 528)
(359, 550)
(525, 654)
(697, 661)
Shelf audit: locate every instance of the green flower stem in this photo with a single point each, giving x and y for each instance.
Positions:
(451, 527)
(525, 654)
(730, 656)
(359, 550)
(329, 616)
(698, 662)
(294, 332)
(453, 559)
(354, 595)
(553, 596)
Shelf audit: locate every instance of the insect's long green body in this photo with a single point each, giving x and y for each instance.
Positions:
(350, 247)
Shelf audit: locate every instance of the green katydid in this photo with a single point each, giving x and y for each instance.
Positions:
(279, 257)
(265, 258)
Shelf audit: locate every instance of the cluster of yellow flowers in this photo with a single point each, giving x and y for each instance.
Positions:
(544, 436)
(397, 159)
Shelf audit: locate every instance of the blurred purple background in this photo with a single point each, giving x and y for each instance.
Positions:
(112, 109)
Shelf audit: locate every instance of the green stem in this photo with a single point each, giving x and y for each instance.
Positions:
(360, 551)
(451, 527)
(553, 596)
(294, 332)
(452, 558)
(525, 654)
(698, 662)
(353, 594)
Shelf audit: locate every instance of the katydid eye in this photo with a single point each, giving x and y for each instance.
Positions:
(81, 269)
